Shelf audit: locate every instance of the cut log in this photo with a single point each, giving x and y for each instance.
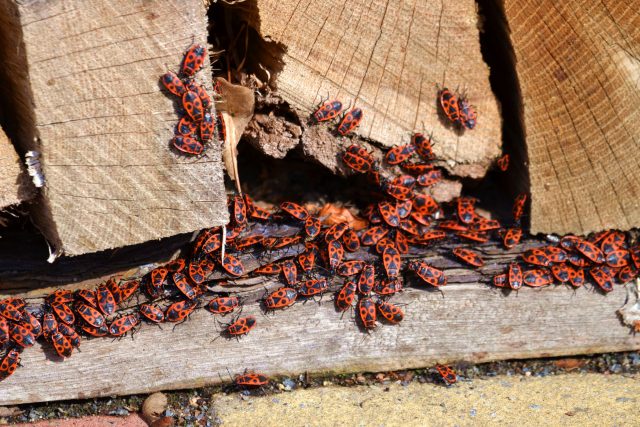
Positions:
(386, 57)
(466, 321)
(15, 186)
(102, 123)
(577, 64)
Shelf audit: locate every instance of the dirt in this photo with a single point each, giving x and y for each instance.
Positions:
(575, 389)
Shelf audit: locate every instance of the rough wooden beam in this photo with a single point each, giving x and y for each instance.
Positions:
(386, 57)
(103, 124)
(466, 321)
(577, 63)
(14, 182)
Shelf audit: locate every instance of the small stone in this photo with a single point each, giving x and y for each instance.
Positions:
(473, 412)
(527, 374)
(289, 384)
(119, 412)
(534, 406)
(154, 406)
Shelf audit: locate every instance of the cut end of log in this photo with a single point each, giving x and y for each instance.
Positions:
(103, 124)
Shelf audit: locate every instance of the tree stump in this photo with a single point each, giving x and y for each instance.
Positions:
(387, 58)
(93, 106)
(579, 73)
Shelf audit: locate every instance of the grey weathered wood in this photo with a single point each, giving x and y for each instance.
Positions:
(467, 321)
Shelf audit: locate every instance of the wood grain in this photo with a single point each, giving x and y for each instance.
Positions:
(14, 182)
(579, 73)
(104, 124)
(468, 320)
(387, 58)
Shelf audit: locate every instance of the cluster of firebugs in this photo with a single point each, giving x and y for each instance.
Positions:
(326, 257)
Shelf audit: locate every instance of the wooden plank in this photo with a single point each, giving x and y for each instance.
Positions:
(386, 57)
(466, 321)
(15, 186)
(577, 66)
(104, 124)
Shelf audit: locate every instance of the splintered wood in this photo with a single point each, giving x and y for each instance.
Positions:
(105, 125)
(579, 73)
(387, 58)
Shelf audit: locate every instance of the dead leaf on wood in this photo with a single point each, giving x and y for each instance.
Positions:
(331, 214)
(236, 107)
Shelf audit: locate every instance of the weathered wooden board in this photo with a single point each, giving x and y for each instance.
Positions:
(577, 66)
(466, 321)
(386, 57)
(103, 123)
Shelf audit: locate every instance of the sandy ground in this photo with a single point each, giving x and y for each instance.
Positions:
(568, 399)
(572, 399)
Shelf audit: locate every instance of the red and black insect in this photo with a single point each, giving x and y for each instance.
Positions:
(409, 226)
(63, 312)
(358, 159)
(373, 235)
(49, 324)
(389, 213)
(106, 301)
(404, 181)
(173, 83)
(350, 240)
(345, 296)
(468, 115)
(614, 240)
(10, 311)
(152, 313)
(398, 192)
(515, 276)
(430, 178)
(518, 206)
(70, 333)
(268, 269)
(367, 313)
(391, 261)
(312, 226)
(21, 335)
(466, 210)
(536, 256)
(4, 331)
(187, 145)
(124, 324)
(417, 168)
(450, 106)
(367, 279)
(307, 260)
(290, 272)
(313, 287)
(424, 204)
(207, 127)
(182, 283)
(90, 315)
(429, 274)
(424, 147)
(232, 265)
(125, 290)
(251, 379)
(178, 311)
(9, 364)
(336, 253)
(503, 163)
(88, 296)
(485, 224)
(400, 153)
(404, 208)
(93, 331)
(602, 278)
(295, 210)
(202, 94)
(401, 242)
(387, 287)
(193, 60)
(590, 251)
(329, 110)
(281, 298)
(336, 231)
(452, 225)
(350, 268)
(187, 127)
(61, 344)
(447, 374)
(469, 256)
(537, 278)
(31, 323)
(512, 237)
(192, 104)
(618, 258)
(350, 121)
(241, 326)
(474, 236)
(562, 272)
(390, 312)
(500, 280)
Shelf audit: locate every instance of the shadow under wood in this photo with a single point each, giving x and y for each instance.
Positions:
(235, 28)
(24, 266)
